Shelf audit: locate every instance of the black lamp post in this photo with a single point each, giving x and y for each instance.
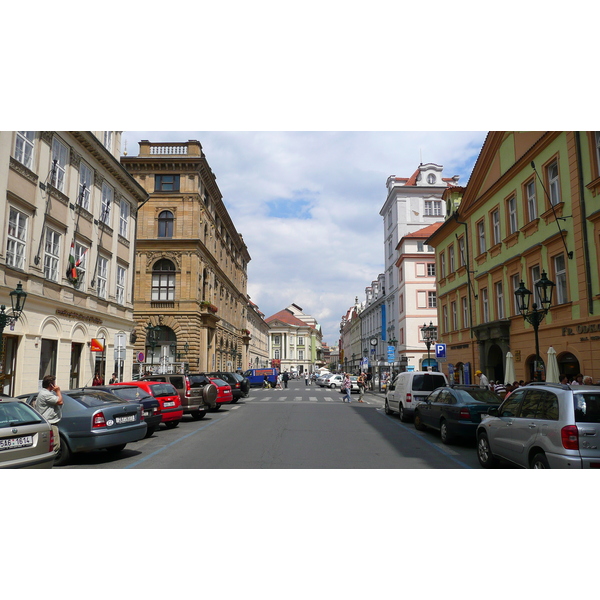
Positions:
(544, 288)
(17, 301)
(428, 335)
(152, 339)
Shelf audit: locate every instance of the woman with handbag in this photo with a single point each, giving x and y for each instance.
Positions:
(347, 387)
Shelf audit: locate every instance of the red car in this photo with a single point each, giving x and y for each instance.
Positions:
(168, 398)
(224, 393)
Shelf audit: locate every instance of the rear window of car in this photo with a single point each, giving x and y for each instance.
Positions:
(219, 382)
(91, 399)
(427, 382)
(18, 413)
(160, 390)
(198, 380)
(224, 376)
(133, 394)
(587, 408)
(477, 395)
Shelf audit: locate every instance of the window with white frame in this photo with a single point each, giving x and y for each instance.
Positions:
(277, 339)
(102, 276)
(485, 305)
(560, 274)
(511, 206)
(454, 316)
(24, 147)
(462, 259)
(553, 183)
(300, 340)
(121, 281)
(81, 264)
(432, 299)
(163, 281)
(496, 226)
(108, 140)
(276, 354)
(107, 198)
(300, 354)
(60, 157)
(430, 269)
(401, 304)
(443, 264)
(481, 236)
(124, 219)
(465, 312)
(535, 275)
(445, 317)
(433, 208)
(499, 300)
(51, 254)
(531, 200)
(17, 239)
(451, 264)
(85, 185)
(515, 281)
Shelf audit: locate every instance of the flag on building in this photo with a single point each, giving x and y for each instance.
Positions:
(73, 273)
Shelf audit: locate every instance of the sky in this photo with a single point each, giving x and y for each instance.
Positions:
(307, 205)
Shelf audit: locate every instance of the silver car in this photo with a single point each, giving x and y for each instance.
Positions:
(543, 426)
(26, 438)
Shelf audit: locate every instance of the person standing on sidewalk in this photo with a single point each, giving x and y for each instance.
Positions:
(49, 404)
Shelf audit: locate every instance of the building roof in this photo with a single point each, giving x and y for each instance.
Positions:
(285, 316)
(425, 232)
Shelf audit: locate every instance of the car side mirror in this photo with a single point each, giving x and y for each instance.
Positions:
(493, 411)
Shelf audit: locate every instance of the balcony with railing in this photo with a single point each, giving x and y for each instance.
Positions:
(189, 148)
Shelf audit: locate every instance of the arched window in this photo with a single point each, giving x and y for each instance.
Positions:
(165, 224)
(163, 281)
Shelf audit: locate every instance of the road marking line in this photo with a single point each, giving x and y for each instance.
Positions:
(297, 399)
(313, 399)
(328, 399)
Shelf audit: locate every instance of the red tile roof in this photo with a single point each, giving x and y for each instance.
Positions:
(285, 316)
(425, 232)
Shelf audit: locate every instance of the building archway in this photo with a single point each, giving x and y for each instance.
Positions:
(495, 362)
(568, 364)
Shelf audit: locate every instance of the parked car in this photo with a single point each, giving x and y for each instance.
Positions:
(26, 438)
(168, 398)
(408, 389)
(322, 379)
(95, 420)
(235, 381)
(132, 393)
(224, 395)
(245, 384)
(543, 425)
(196, 394)
(334, 381)
(455, 410)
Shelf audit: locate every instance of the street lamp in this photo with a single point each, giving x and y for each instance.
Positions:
(428, 334)
(152, 339)
(17, 301)
(544, 288)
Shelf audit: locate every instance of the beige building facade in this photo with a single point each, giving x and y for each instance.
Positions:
(67, 235)
(191, 265)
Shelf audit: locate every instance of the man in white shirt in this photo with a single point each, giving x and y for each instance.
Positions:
(484, 382)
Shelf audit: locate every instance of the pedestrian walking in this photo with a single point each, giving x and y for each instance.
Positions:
(347, 385)
(306, 378)
(49, 404)
(113, 379)
(286, 378)
(500, 389)
(484, 382)
(362, 382)
(97, 379)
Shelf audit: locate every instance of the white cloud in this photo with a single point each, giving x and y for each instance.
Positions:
(323, 262)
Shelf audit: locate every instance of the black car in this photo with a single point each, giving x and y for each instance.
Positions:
(239, 385)
(455, 410)
(132, 393)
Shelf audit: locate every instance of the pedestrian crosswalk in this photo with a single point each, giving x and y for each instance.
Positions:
(257, 396)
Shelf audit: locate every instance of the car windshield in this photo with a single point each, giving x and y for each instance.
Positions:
(223, 376)
(587, 407)
(477, 395)
(133, 394)
(18, 413)
(198, 380)
(427, 382)
(160, 390)
(238, 377)
(91, 399)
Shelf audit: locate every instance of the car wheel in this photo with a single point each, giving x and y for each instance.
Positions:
(63, 456)
(418, 422)
(116, 449)
(540, 461)
(234, 400)
(150, 431)
(216, 408)
(332, 386)
(444, 433)
(198, 414)
(402, 414)
(484, 453)
(387, 409)
(171, 424)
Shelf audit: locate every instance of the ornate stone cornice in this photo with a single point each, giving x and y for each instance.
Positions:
(21, 169)
(152, 257)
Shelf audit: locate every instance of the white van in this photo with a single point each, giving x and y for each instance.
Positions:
(409, 389)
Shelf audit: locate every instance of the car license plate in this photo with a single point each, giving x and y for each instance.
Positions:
(20, 442)
(127, 419)
(167, 404)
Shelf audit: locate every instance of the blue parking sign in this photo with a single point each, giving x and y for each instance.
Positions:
(440, 350)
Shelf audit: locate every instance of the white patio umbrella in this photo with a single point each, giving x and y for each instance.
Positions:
(552, 372)
(509, 369)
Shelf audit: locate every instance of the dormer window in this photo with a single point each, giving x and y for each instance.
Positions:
(431, 179)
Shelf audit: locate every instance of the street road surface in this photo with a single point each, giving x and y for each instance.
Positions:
(301, 427)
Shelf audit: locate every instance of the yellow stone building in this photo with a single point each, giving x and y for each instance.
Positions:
(190, 297)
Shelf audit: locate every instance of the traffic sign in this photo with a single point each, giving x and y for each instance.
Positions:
(440, 351)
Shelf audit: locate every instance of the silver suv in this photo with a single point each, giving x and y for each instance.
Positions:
(542, 426)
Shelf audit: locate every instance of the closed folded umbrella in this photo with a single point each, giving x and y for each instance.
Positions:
(509, 369)
(552, 372)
